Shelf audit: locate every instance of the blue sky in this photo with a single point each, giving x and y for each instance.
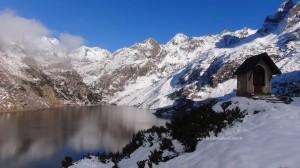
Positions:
(113, 24)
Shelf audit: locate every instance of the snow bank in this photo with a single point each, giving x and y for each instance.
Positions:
(91, 163)
(267, 139)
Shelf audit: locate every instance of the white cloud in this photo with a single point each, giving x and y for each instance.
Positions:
(14, 28)
(70, 42)
(31, 34)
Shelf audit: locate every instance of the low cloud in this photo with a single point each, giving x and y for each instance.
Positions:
(31, 34)
(70, 42)
(20, 30)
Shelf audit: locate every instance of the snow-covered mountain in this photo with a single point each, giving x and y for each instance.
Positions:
(152, 75)
(146, 74)
(89, 54)
(145, 64)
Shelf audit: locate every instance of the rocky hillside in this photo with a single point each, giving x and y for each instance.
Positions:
(146, 74)
(39, 78)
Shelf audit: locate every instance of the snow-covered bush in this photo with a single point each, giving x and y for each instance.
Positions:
(66, 162)
(191, 127)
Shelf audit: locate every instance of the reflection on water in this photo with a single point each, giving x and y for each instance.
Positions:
(43, 138)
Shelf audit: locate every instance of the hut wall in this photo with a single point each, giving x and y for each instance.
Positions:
(242, 85)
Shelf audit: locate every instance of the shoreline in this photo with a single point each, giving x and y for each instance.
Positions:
(52, 107)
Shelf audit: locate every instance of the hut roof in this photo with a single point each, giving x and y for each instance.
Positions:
(251, 62)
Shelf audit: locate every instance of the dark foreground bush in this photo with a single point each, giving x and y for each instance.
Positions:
(67, 162)
(199, 123)
(141, 164)
(137, 140)
(155, 156)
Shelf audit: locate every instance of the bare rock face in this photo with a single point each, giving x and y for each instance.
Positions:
(45, 91)
(143, 60)
(26, 84)
(273, 22)
(19, 95)
(294, 16)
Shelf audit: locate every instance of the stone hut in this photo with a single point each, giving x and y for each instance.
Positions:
(254, 76)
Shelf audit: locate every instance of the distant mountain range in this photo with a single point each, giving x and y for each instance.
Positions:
(148, 74)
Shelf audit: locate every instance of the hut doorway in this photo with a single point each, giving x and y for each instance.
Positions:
(259, 79)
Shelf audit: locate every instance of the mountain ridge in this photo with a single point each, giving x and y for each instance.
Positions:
(146, 74)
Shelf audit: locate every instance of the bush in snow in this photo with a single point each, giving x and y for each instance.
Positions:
(141, 164)
(67, 162)
(137, 141)
(166, 144)
(155, 157)
(199, 123)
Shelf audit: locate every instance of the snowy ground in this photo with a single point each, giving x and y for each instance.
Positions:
(91, 163)
(268, 137)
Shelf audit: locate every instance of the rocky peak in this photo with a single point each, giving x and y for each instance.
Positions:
(244, 32)
(294, 15)
(273, 22)
(286, 6)
(228, 38)
(150, 41)
(148, 44)
(90, 53)
(179, 38)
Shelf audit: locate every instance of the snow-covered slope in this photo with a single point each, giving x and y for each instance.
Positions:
(88, 54)
(267, 139)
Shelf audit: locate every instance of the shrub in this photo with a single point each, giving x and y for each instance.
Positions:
(103, 157)
(150, 139)
(136, 141)
(67, 162)
(141, 164)
(225, 105)
(166, 144)
(155, 156)
(115, 166)
(198, 124)
(88, 156)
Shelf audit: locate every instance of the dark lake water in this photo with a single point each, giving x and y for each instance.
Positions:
(42, 138)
